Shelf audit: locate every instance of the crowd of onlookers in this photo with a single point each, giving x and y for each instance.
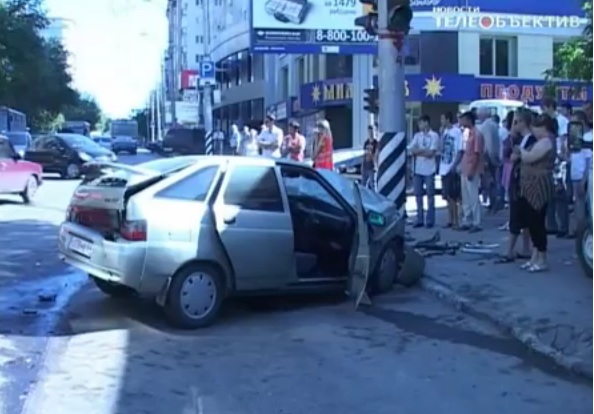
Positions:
(536, 164)
(271, 141)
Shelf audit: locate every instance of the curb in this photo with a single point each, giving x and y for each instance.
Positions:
(529, 339)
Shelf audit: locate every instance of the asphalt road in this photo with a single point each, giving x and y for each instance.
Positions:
(65, 348)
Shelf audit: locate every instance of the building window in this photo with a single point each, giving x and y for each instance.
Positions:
(301, 71)
(284, 82)
(413, 50)
(339, 66)
(198, 58)
(199, 39)
(198, 2)
(498, 56)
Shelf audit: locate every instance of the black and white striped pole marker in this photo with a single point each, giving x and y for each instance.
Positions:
(391, 178)
(209, 147)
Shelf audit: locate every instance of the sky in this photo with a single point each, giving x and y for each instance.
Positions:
(117, 48)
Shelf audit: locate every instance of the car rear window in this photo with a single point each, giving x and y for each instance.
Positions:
(124, 177)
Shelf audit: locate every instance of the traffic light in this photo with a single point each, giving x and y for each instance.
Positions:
(372, 100)
(369, 20)
(399, 16)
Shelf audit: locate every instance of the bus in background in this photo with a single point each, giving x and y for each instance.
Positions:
(76, 127)
(123, 128)
(12, 120)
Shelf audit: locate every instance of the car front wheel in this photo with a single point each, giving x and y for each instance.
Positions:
(195, 296)
(30, 189)
(72, 171)
(387, 268)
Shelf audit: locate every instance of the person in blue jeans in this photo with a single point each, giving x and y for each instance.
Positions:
(424, 149)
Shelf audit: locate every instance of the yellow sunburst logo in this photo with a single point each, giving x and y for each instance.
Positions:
(433, 87)
(316, 94)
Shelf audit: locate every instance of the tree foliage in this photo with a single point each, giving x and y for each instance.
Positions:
(573, 60)
(34, 72)
(84, 109)
(143, 117)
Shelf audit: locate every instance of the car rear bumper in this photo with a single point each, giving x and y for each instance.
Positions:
(114, 261)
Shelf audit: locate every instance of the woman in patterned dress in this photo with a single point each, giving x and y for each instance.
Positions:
(537, 187)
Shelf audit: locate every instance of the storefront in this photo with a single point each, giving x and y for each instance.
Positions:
(431, 94)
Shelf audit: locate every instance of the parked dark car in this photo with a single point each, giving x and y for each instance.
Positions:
(66, 154)
(184, 141)
(156, 147)
(124, 144)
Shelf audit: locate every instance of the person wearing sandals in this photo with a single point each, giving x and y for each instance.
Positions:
(520, 138)
(451, 155)
(537, 187)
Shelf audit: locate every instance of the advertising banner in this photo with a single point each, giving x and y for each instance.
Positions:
(328, 26)
(316, 26)
(187, 113)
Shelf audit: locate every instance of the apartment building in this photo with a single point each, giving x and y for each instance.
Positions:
(186, 45)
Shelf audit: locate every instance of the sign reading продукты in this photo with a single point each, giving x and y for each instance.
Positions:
(302, 26)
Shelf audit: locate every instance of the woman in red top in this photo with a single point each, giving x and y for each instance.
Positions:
(323, 146)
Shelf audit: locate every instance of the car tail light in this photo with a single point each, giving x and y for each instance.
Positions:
(133, 230)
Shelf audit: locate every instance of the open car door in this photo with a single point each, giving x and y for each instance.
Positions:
(360, 259)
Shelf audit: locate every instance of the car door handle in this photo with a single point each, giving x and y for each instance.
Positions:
(230, 220)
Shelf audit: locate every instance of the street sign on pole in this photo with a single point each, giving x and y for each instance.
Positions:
(207, 73)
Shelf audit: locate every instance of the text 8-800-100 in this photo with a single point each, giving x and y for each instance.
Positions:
(343, 36)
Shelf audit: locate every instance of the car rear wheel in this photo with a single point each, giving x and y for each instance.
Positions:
(30, 190)
(113, 289)
(195, 296)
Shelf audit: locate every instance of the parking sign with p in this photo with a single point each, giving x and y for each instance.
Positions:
(207, 73)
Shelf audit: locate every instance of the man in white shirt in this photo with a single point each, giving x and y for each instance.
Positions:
(451, 155)
(218, 138)
(270, 139)
(423, 148)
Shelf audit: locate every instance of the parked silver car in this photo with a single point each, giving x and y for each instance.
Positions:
(191, 231)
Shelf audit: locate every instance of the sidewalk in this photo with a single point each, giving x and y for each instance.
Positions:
(550, 312)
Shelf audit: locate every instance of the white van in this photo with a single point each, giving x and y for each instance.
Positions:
(499, 107)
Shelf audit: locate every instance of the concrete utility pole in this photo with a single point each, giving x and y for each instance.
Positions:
(389, 20)
(392, 110)
(207, 90)
(153, 116)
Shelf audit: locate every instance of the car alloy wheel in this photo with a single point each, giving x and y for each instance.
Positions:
(387, 270)
(30, 190)
(72, 171)
(195, 296)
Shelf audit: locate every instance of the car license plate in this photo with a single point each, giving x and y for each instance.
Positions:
(80, 246)
(168, 149)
